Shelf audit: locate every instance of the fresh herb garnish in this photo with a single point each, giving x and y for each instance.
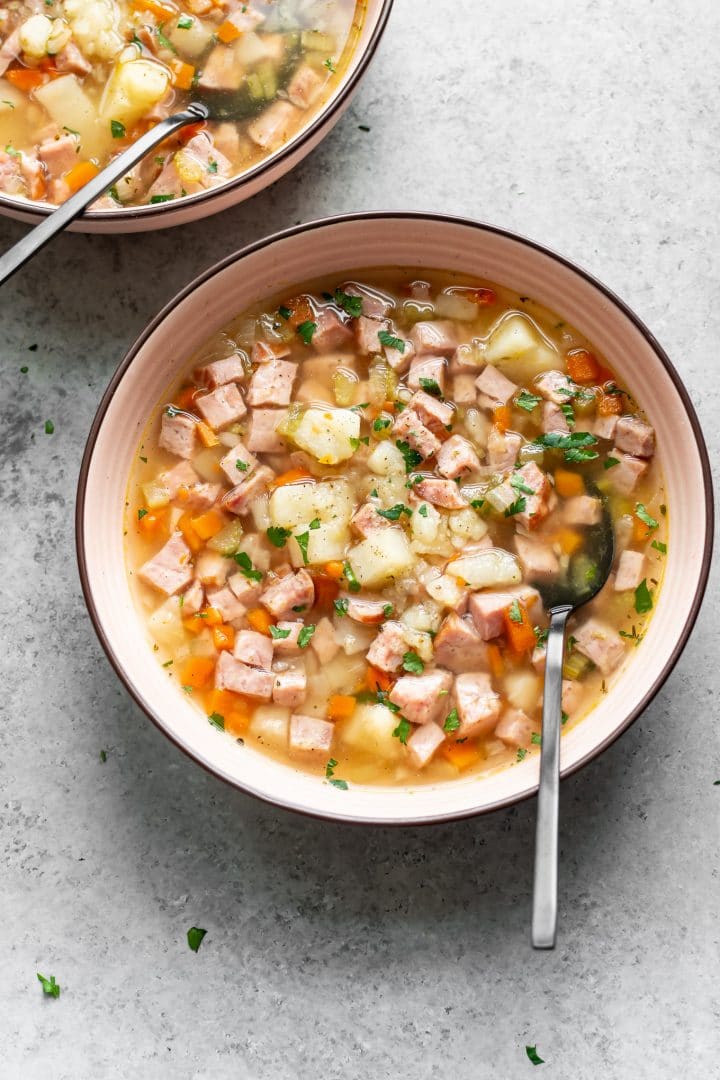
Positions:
(452, 722)
(246, 567)
(643, 598)
(412, 663)
(610, 462)
(306, 330)
(568, 413)
(341, 606)
(217, 720)
(284, 312)
(564, 718)
(536, 739)
(277, 535)
(161, 198)
(352, 582)
(117, 129)
(532, 1053)
(381, 423)
(49, 427)
(477, 504)
(241, 465)
(305, 635)
(24, 369)
(521, 754)
(430, 386)
(330, 775)
(299, 607)
(646, 518)
(515, 612)
(402, 731)
(518, 507)
(50, 987)
(517, 482)
(302, 542)
(329, 65)
(410, 456)
(392, 342)
(164, 41)
(423, 510)
(659, 546)
(574, 444)
(103, 756)
(277, 634)
(169, 663)
(351, 304)
(185, 22)
(141, 513)
(393, 514)
(527, 401)
(194, 937)
(387, 610)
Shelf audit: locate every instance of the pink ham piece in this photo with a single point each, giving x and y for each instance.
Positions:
(247, 592)
(538, 560)
(71, 59)
(434, 337)
(211, 568)
(201, 497)
(487, 608)
(516, 728)
(572, 695)
(387, 650)
(364, 610)
(272, 383)
(220, 372)
(367, 329)
(263, 352)
(423, 743)
(463, 389)
(424, 368)
(305, 86)
(200, 159)
(603, 427)
(630, 570)
(177, 433)
(323, 642)
(366, 520)
(232, 674)
(458, 645)
(600, 643)
(262, 438)
(222, 406)
(495, 388)
(399, 359)
(626, 475)
(59, 155)
(553, 418)
(477, 704)
(193, 599)
(310, 736)
(503, 450)
(234, 471)
(170, 570)
(436, 415)
(420, 697)
(222, 70)
(331, 332)
(443, 493)
(275, 125)
(555, 386)
(635, 437)
(293, 590)
(289, 688)
(288, 646)
(227, 604)
(181, 475)
(409, 428)
(582, 510)
(244, 494)
(254, 649)
(457, 457)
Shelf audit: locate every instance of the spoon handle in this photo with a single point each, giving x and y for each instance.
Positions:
(59, 219)
(544, 918)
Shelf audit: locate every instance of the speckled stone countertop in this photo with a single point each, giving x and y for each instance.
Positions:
(592, 126)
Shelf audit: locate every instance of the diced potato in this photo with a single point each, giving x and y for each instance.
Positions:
(382, 556)
(419, 641)
(343, 673)
(327, 434)
(133, 88)
(165, 624)
(95, 26)
(445, 590)
(386, 459)
(478, 425)
(271, 724)
(325, 543)
(293, 505)
(194, 40)
(391, 490)
(260, 513)
(423, 616)
(370, 728)
(522, 689)
(70, 107)
(519, 350)
(486, 569)
(425, 526)
(257, 548)
(467, 524)
(34, 34)
(203, 645)
(211, 568)
(352, 637)
(207, 464)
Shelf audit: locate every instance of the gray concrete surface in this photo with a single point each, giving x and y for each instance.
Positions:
(591, 125)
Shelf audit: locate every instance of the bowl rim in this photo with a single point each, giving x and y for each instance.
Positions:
(150, 214)
(409, 216)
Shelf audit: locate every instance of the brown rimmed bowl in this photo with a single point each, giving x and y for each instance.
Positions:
(336, 246)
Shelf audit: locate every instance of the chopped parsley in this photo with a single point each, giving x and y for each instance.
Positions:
(341, 606)
(103, 756)
(412, 663)
(536, 739)
(117, 129)
(532, 1053)
(393, 514)
(515, 612)
(302, 542)
(390, 341)
(164, 42)
(314, 524)
(330, 775)
(142, 512)
(411, 457)
(168, 663)
(24, 369)
(185, 22)
(299, 607)
(647, 519)
(387, 610)
(575, 444)
(306, 330)
(517, 482)
(423, 510)
(477, 504)
(610, 462)
(329, 65)
(217, 720)
(381, 423)
(430, 386)
(246, 567)
(521, 754)
(161, 198)
(305, 636)
(49, 427)
(402, 731)
(363, 127)
(452, 722)
(527, 401)
(518, 507)
(50, 987)
(241, 465)
(643, 598)
(352, 582)
(568, 413)
(659, 546)
(564, 716)
(341, 784)
(353, 305)
(277, 634)
(194, 937)
(277, 535)
(284, 313)
(541, 634)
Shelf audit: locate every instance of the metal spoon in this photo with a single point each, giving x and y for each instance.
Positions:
(59, 219)
(587, 573)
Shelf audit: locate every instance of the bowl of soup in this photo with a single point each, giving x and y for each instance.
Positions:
(79, 82)
(324, 485)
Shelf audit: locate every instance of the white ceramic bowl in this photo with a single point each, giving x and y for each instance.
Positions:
(247, 184)
(337, 246)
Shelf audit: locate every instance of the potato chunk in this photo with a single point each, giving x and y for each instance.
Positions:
(133, 88)
(330, 435)
(384, 555)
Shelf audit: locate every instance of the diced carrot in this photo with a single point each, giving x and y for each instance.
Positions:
(228, 32)
(26, 79)
(208, 524)
(301, 310)
(185, 525)
(223, 637)
(375, 679)
(388, 406)
(236, 721)
(186, 398)
(183, 74)
(641, 531)
(520, 634)
(196, 671)
(501, 418)
(183, 493)
(583, 366)
(156, 7)
(484, 297)
(340, 707)
(224, 702)
(80, 174)
(495, 659)
(461, 755)
(153, 522)
(570, 540)
(207, 435)
(212, 616)
(290, 477)
(259, 619)
(209, 616)
(568, 483)
(334, 569)
(326, 590)
(609, 404)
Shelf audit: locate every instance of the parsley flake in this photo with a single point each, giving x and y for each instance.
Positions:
(305, 636)
(194, 937)
(341, 606)
(518, 507)
(412, 663)
(430, 386)
(49, 427)
(277, 634)
(246, 567)
(659, 546)
(381, 423)
(527, 401)
(217, 720)
(645, 517)
(302, 542)
(402, 731)
(353, 305)
(306, 330)
(117, 129)
(515, 612)
(521, 754)
(532, 1053)
(390, 341)
(50, 987)
(277, 535)
(411, 457)
(643, 598)
(452, 722)
(610, 462)
(393, 514)
(352, 582)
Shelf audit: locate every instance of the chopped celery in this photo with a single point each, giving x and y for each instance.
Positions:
(316, 41)
(531, 452)
(576, 666)
(344, 385)
(267, 75)
(415, 311)
(254, 86)
(382, 383)
(228, 539)
(291, 420)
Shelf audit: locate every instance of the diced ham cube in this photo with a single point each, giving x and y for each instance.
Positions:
(635, 437)
(244, 494)
(254, 649)
(487, 610)
(232, 674)
(387, 650)
(310, 736)
(246, 591)
(275, 125)
(177, 434)
(181, 475)
(538, 560)
(288, 646)
(367, 520)
(421, 697)
(457, 457)
(478, 705)
(582, 510)
(625, 476)
(495, 386)
(374, 303)
(424, 368)
(305, 86)
(193, 599)
(262, 438)
(71, 59)
(201, 497)
(458, 645)
(234, 471)
(272, 383)
(409, 427)
(553, 418)
(572, 695)
(293, 590)
(503, 450)
(603, 427)
(399, 359)
(289, 688)
(170, 570)
(434, 337)
(555, 386)
(219, 372)
(222, 70)
(331, 333)
(630, 570)
(435, 415)
(516, 728)
(423, 743)
(443, 493)
(464, 391)
(188, 171)
(59, 155)
(264, 351)
(211, 568)
(600, 643)
(222, 406)
(227, 604)
(537, 506)
(365, 611)
(323, 642)
(367, 329)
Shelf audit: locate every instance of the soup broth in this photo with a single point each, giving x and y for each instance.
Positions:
(81, 79)
(338, 518)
